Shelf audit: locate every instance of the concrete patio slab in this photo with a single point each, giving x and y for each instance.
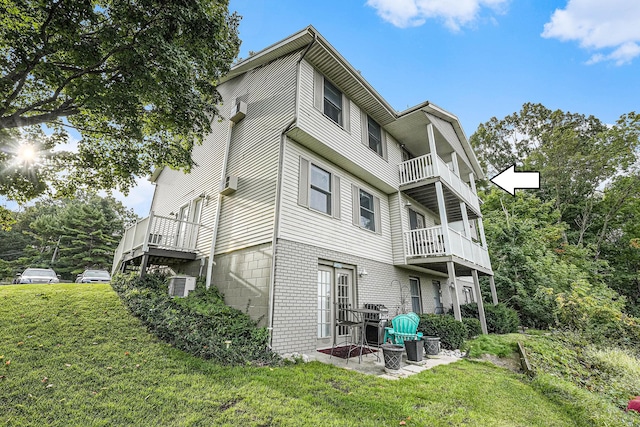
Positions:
(370, 364)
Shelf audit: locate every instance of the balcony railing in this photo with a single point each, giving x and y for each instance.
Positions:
(158, 232)
(431, 166)
(430, 242)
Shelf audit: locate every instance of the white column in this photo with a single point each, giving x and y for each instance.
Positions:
(444, 222)
(476, 284)
(432, 149)
(472, 183)
(454, 162)
(465, 219)
(481, 231)
(453, 289)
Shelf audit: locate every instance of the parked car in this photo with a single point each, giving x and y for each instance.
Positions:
(94, 276)
(37, 275)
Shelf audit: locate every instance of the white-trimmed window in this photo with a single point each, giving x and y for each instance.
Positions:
(373, 136)
(329, 99)
(468, 294)
(366, 210)
(416, 300)
(318, 188)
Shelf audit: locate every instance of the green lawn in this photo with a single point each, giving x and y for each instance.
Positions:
(72, 355)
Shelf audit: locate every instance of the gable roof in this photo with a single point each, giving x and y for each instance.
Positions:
(328, 61)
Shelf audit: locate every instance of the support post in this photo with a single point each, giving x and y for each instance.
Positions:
(432, 149)
(494, 294)
(143, 265)
(454, 162)
(453, 284)
(444, 223)
(476, 284)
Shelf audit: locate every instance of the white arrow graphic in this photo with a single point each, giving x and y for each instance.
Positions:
(509, 180)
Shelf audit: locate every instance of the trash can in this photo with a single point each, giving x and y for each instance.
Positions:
(415, 348)
(432, 345)
(392, 356)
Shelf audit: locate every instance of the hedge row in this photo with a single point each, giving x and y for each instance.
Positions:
(199, 324)
(500, 318)
(451, 332)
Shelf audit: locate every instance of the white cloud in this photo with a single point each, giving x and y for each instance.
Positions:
(612, 26)
(413, 13)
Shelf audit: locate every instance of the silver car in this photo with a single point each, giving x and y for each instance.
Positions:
(94, 276)
(38, 275)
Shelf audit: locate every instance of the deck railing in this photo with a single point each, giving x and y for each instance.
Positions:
(431, 166)
(430, 242)
(158, 232)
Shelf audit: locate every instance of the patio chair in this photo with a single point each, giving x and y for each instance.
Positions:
(346, 322)
(403, 327)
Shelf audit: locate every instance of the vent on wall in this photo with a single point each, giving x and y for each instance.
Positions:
(238, 111)
(229, 185)
(180, 286)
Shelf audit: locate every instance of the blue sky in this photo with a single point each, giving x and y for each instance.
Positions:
(475, 58)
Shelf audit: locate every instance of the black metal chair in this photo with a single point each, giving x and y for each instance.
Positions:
(346, 322)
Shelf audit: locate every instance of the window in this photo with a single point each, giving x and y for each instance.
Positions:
(328, 99)
(416, 220)
(324, 303)
(416, 303)
(366, 210)
(320, 193)
(318, 189)
(332, 102)
(468, 294)
(374, 136)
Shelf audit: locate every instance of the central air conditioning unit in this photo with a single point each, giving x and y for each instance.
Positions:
(180, 286)
(229, 185)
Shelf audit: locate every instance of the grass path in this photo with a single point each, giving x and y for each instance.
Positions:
(72, 355)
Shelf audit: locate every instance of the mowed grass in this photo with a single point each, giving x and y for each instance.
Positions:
(72, 355)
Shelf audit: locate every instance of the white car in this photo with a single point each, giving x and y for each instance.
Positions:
(38, 275)
(94, 276)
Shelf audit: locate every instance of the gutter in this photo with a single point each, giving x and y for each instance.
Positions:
(276, 218)
(216, 222)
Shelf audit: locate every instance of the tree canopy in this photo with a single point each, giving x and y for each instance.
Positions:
(137, 79)
(577, 237)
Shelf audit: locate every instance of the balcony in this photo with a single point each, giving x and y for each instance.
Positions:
(425, 243)
(159, 237)
(424, 170)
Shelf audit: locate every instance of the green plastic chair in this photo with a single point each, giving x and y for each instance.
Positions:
(403, 327)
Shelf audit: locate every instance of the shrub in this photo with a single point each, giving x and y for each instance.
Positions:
(473, 327)
(199, 324)
(451, 332)
(500, 318)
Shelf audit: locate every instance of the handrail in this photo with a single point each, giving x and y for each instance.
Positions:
(431, 166)
(429, 242)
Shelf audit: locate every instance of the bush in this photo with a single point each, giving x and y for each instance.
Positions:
(500, 318)
(451, 332)
(473, 327)
(199, 324)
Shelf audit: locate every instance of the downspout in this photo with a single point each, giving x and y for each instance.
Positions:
(276, 218)
(216, 222)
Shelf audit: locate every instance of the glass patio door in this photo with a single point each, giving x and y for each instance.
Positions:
(335, 285)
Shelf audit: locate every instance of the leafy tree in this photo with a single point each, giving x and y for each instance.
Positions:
(575, 154)
(135, 78)
(71, 235)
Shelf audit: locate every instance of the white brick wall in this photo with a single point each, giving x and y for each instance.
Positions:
(295, 309)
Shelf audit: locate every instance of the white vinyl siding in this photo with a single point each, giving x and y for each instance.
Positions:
(301, 224)
(247, 215)
(335, 143)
